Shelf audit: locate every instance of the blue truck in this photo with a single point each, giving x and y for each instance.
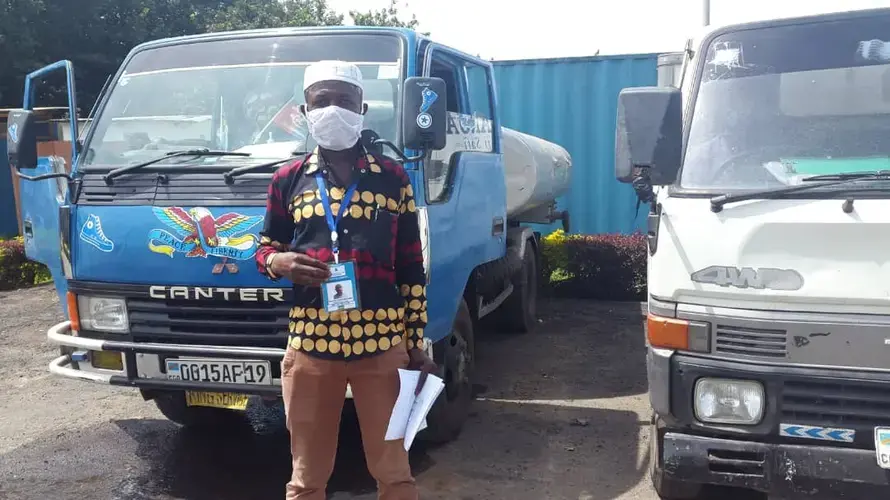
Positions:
(151, 232)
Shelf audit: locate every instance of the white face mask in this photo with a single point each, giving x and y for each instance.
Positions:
(335, 128)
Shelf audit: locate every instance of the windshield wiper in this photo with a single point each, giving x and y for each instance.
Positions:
(880, 174)
(717, 202)
(235, 172)
(109, 177)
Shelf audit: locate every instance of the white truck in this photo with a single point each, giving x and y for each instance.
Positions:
(768, 332)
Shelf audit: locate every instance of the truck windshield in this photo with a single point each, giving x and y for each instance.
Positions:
(234, 95)
(778, 104)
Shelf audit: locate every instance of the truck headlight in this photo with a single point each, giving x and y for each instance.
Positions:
(103, 314)
(724, 401)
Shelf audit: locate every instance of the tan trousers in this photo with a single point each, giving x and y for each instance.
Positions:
(314, 391)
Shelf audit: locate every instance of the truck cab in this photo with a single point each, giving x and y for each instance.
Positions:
(768, 330)
(151, 237)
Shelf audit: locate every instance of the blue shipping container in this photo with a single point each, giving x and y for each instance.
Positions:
(573, 102)
(9, 225)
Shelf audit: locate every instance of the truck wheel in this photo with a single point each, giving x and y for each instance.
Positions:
(172, 405)
(666, 487)
(455, 355)
(519, 312)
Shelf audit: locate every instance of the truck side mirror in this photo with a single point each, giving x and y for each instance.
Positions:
(649, 134)
(424, 114)
(21, 139)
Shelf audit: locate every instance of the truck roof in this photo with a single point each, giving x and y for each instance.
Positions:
(220, 35)
(703, 33)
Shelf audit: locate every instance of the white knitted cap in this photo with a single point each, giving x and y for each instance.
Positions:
(322, 71)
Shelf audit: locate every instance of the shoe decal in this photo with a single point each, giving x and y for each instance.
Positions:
(424, 119)
(92, 233)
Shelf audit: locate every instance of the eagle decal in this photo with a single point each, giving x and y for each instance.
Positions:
(197, 233)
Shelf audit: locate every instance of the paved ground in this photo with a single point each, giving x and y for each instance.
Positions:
(561, 414)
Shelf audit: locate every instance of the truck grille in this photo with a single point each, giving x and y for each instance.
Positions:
(756, 342)
(255, 324)
(836, 403)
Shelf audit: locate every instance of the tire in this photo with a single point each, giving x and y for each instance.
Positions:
(173, 406)
(666, 487)
(455, 355)
(518, 314)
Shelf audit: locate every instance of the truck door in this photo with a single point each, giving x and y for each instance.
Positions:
(463, 185)
(43, 180)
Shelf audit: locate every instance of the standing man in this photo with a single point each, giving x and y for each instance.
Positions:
(342, 217)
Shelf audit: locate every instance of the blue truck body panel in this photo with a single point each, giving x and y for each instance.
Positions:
(460, 236)
(40, 208)
(139, 245)
(573, 102)
(9, 226)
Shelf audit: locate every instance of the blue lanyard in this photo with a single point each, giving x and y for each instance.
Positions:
(333, 221)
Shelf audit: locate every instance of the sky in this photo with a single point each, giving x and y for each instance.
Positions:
(501, 29)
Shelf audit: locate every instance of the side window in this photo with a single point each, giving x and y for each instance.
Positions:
(436, 170)
(478, 90)
(469, 128)
(448, 72)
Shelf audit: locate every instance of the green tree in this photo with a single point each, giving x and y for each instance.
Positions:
(20, 40)
(252, 14)
(387, 16)
(96, 35)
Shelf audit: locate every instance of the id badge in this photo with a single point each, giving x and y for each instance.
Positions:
(340, 292)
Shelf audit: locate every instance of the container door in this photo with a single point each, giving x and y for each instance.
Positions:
(43, 171)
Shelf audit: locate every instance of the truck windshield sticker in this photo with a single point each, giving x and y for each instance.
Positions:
(199, 234)
(821, 433)
(874, 50)
(92, 234)
(13, 131)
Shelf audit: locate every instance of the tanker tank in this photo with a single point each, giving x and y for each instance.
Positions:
(536, 171)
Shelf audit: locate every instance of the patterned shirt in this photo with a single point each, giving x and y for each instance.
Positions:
(379, 233)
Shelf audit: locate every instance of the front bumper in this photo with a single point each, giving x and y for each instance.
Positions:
(760, 457)
(142, 363)
(778, 469)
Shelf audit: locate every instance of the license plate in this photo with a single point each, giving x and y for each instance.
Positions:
(226, 371)
(227, 400)
(882, 446)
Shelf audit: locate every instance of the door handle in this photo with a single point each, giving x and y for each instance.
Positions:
(28, 229)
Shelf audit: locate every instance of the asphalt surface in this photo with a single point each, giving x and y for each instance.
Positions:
(561, 414)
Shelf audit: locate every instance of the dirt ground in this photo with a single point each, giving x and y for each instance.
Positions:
(561, 414)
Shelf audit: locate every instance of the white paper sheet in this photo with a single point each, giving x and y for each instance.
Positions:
(409, 413)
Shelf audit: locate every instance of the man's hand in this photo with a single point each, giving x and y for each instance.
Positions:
(300, 268)
(418, 360)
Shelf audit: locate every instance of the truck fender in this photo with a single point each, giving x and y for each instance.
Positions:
(520, 238)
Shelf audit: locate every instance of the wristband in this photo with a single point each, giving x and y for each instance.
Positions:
(269, 261)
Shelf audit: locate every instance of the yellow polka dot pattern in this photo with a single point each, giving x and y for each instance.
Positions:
(353, 333)
(363, 204)
(365, 332)
(415, 308)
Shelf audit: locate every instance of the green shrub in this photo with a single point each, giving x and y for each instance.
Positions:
(606, 266)
(554, 256)
(16, 271)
